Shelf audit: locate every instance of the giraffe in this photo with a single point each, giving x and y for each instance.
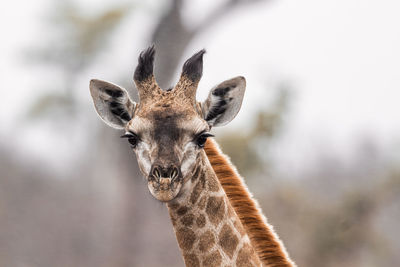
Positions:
(168, 131)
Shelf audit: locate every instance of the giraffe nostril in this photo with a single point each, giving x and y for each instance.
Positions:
(174, 173)
(171, 172)
(156, 173)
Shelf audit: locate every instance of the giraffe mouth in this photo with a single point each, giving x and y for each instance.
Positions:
(164, 188)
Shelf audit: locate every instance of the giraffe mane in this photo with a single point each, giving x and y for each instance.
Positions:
(265, 241)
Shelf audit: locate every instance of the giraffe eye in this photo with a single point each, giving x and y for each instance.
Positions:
(133, 139)
(202, 138)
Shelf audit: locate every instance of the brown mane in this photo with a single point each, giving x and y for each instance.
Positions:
(262, 236)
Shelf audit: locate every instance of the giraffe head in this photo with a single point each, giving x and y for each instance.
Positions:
(167, 129)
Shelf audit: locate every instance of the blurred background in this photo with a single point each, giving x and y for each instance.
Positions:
(317, 138)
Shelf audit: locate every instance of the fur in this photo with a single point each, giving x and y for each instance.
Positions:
(262, 236)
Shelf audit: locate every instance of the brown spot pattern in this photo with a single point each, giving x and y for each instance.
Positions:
(188, 219)
(238, 225)
(201, 221)
(213, 185)
(213, 259)
(215, 209)
(191, 260)
(173, 206)
(207, 241)
(202, 178)
(186, 238)
(245, 258)
(228, 240)
(202, 203)
(182, 211)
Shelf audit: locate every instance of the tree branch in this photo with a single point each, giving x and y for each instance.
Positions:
(222, 11)
(171, 36)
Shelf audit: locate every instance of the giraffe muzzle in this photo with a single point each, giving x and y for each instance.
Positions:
(164, 182)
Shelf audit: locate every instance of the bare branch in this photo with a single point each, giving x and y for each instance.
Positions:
(222, 11)
(171, 36)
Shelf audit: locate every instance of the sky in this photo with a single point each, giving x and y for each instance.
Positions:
(341, 58)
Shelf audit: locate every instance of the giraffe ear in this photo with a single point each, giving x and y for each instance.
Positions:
(224, 101)
(112, 103)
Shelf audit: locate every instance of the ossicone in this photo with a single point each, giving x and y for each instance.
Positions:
(144, 69)
(193, 67)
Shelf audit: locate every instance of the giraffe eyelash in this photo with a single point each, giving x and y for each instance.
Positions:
(133, 139)
(204, 133)
(201, 138)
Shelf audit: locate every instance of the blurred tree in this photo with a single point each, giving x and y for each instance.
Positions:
(249, 149)
(71, 50)
(172, 35)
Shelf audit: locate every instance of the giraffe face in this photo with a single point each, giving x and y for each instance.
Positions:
(167, 129)
(167, 142)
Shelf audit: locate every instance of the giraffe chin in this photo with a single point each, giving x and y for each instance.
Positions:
(164, 190)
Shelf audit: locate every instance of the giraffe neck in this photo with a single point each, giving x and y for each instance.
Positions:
(265, 241)
(208, 231)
